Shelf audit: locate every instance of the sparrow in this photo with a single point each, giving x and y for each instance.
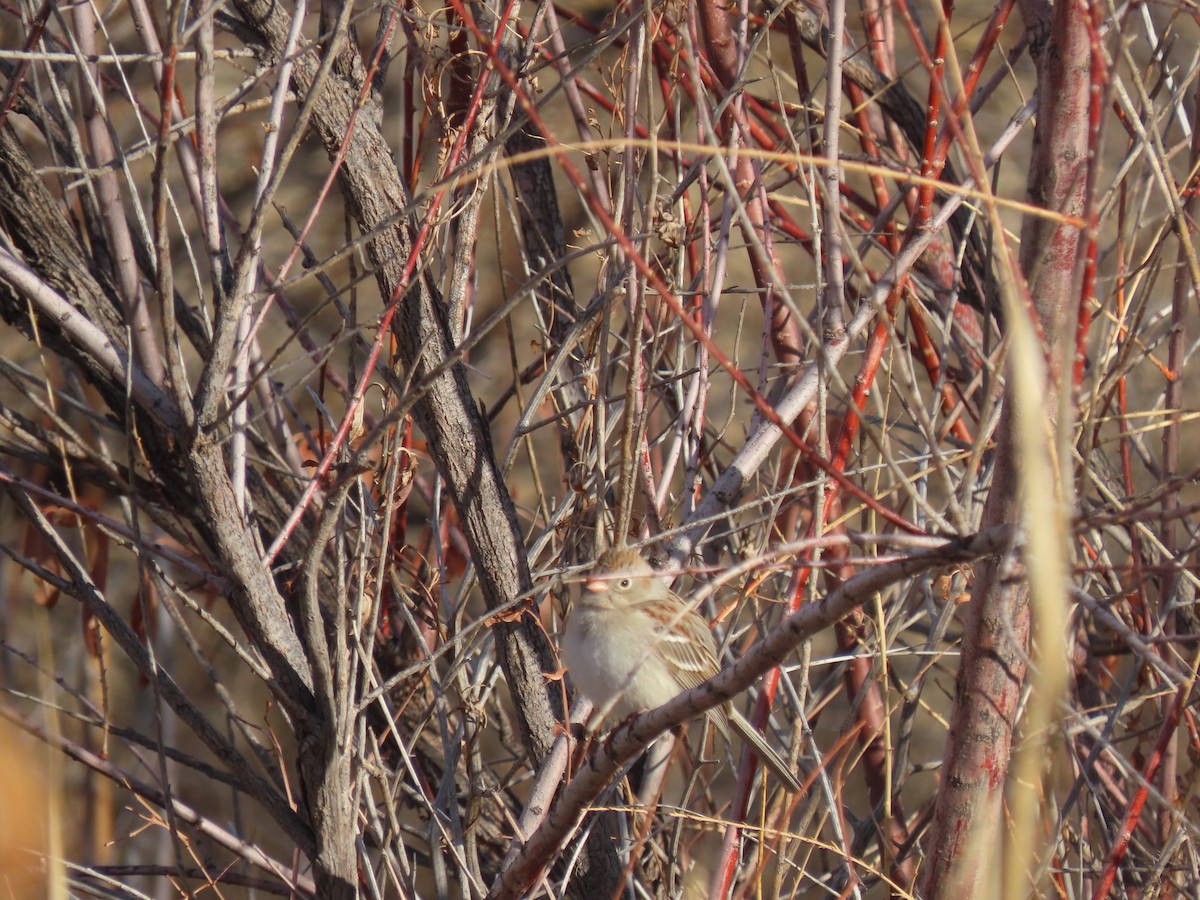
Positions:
(631, 644)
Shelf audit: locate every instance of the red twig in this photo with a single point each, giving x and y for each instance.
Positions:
(393, 304)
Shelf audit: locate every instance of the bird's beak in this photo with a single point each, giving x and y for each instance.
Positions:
(596, 585)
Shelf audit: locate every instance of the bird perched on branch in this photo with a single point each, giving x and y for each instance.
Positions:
(632, 644)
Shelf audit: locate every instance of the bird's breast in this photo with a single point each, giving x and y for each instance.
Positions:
(611, 657)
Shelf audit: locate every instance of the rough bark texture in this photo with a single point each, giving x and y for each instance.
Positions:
(447, 412)
(968, 816)
(50, 246)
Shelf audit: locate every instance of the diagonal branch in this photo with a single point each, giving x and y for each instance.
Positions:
(632, 738)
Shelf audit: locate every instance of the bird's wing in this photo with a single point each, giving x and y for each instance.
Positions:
(686, 644)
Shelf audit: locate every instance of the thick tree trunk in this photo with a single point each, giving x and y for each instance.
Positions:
(968, 817)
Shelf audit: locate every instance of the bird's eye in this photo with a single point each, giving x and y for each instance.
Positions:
(624, 584)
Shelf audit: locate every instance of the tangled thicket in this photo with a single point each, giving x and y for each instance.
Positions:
(341, 340)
